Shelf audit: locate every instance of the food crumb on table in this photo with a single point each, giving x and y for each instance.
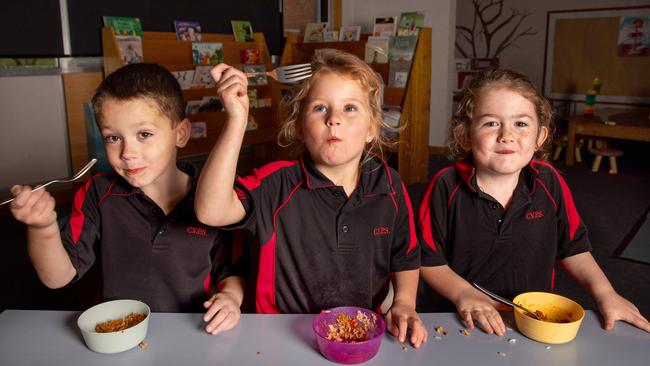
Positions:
(465, 332)
(439, 329)
(548, 347)
(143, 345)
(502, 354)
(512, 340)
(437, 337)
(404, 349)
(259, 353)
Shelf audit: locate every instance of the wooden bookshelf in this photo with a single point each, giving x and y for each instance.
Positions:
(413, 142)
(163, 48)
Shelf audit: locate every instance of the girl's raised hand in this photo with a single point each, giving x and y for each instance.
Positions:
(232, 89)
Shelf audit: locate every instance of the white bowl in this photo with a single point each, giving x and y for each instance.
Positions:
(115, 341)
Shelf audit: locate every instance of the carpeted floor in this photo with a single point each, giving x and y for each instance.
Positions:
(610, 205)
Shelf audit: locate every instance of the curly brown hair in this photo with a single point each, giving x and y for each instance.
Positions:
(491, 79)
(326, 61)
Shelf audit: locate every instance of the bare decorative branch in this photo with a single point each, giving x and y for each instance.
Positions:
(488, 24)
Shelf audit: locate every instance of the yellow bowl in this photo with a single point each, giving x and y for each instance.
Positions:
(562, 317)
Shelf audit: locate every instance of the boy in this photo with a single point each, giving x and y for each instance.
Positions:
(141, 214)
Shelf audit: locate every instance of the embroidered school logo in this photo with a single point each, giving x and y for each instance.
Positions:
(382, 230)
(197, 231)
(533, 215)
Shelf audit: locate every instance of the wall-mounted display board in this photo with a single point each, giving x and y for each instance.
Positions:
(610, 44)
(31, 28)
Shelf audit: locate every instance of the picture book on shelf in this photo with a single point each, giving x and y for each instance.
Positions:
(256, 74)
(250, 56)
(207, 53)
(398, 73)
(251, 125)
(350, 33)
(184, 77)
(124, 26)
(409, 23)
(402, 47)
(210, 103)
(130, 49)
(199, 130)
(202, 77)
(187, 30)
(385, 26)
(192, 107)
(330, 36)
(242, 30)
(377, 50)
(252, 98)
(314, 32)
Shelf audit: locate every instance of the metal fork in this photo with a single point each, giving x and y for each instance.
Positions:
(79, 174)
(288, 74)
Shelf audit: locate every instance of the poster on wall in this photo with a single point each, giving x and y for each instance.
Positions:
(634, 36)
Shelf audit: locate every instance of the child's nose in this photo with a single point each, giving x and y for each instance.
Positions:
(506, 135)
(129, 150)
(333, 120)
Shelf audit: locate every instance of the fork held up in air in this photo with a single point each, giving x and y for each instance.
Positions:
(288, 74)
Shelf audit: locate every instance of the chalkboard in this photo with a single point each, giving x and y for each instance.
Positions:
(31, 28)
(582, 45)
(158, 15)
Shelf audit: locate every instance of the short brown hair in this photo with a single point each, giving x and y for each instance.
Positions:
(338, 62)
(142, 80)
(497, 78)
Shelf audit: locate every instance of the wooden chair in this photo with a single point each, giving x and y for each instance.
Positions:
(561, 142)
(599, 148)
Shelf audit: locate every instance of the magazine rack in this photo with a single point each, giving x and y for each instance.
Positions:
(413, 141)
(163, 48)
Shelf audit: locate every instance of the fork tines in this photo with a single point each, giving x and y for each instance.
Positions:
(293, 73)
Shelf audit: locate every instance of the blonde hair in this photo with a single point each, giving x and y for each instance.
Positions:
(492, 79)
(327, 61)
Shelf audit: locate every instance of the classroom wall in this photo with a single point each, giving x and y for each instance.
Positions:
(440, 16)
(33, 130)
(529, 57)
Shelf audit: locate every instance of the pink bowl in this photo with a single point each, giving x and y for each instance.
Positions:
(342, 352)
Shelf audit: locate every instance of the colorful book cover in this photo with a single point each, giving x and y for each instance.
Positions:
(398, 73)
(252, 98)
(199, 130)
(409, 23)
(123, 26)
(242, 30)
(250, 56)
(210, 103)
(377, 50)
(130, 49)
(207, 53)
(349, 33)
(187, 30)
(184, 78)
(385, 26)
(314, 32)
(202, 77)
(402, 47)
(251, 125)
(256, 74)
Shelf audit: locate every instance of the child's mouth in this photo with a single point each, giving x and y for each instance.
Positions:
(333, 139)
(505, 152)
(133, 171)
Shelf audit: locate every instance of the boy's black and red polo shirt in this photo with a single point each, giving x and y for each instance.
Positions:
(171, 262)
(507, 250)
(319, 248)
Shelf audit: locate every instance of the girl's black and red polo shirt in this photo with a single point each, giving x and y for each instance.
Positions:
(172, 262)
(319, 248)
(507, 250)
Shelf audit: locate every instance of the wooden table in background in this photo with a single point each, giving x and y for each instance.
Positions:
(618, 124)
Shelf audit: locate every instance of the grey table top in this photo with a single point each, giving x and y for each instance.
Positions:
(29, 337)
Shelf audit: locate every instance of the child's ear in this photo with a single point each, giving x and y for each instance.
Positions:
(183, 132)
(542, 135)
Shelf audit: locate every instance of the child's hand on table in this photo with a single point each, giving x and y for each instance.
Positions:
(614, 307)
(400, 319)
(223, 313)
(476, 306)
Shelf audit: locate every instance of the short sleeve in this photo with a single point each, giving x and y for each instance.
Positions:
(572, 232)
(81, 230)
(405, 253)
(433, 216)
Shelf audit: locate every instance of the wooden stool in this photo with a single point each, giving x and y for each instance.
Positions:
(561, 143)
(605, 151)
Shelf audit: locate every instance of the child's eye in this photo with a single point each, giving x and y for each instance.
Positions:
(111, 139)
(144, 135)
(521, 124)
(320, 108)
(350, 108)
(491, 124)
